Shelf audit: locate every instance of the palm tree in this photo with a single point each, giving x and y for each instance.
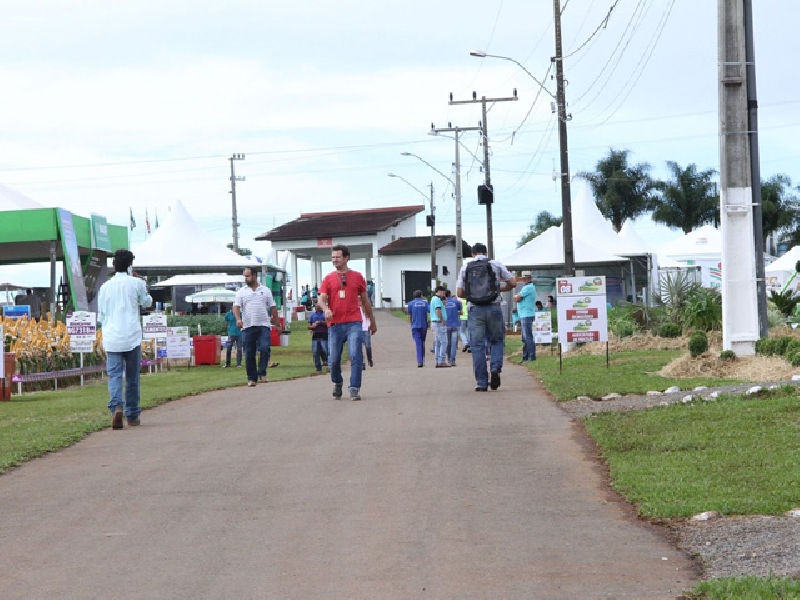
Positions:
(780, 208)
(621, 191)
(688, 200)
(544, 221)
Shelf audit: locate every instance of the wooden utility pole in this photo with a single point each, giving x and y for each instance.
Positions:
(740, 326)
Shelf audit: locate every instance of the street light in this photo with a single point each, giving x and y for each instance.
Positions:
(561, 103)
(234, 179)
(430, 165)
(432, 224)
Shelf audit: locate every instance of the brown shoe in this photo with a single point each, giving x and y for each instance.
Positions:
(134, 422)
(116, 419)
(251, 384)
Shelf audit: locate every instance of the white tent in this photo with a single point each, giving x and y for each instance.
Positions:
(591, 227)
(704, 243)
(205, 279)
(13, 200)
(547, 250)
(779, 272)
(179, 244)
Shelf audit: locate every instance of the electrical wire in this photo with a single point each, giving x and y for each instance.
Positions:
(602, 25)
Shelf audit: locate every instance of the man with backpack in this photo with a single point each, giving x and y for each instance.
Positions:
(480, 282)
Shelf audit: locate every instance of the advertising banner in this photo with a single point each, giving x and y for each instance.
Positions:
(17, 312)
(154, 326)
(178, 342)
(82, 331)
(543, 327)
(72, 260)
(582, 309)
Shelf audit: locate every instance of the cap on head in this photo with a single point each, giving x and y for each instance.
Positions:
(525, 274)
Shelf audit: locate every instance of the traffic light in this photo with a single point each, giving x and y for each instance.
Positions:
(485, 194)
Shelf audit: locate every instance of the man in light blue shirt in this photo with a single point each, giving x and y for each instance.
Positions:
(118, 304)
(526, 310)
(439, 326)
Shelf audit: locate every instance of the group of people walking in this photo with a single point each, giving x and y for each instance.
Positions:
(343, 315)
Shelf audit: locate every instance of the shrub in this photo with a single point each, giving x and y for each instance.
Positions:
(727, 355)
(623, 329)
(780, 345)
(775, 318)
(698, 343)
(670, 330)
(785, 302)
(702, 309)
(760, 345)
(769, 346)
(792, 347)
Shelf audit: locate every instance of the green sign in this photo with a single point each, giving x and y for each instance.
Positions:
(100, 239)
(72, 260)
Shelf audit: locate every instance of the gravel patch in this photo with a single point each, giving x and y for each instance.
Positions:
(735, 546)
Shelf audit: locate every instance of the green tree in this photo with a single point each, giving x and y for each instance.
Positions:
(544, 221)
(780, 208)
(621, 191)
(688, 199)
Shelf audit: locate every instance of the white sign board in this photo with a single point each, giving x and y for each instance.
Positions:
(154, 326)
(82, 330)
(543, 327)
(178, 342)
(582, 309)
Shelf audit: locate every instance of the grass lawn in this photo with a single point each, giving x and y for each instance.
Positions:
(774, 588)
(627, 373)
(36, 423)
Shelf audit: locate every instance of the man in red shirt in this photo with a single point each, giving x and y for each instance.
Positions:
(341, 295)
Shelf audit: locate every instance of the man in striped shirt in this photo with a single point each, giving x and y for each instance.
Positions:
(252, 308)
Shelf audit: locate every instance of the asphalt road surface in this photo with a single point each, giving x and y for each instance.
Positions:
(424, 489)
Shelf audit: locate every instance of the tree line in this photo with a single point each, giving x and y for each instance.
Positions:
(686, 200)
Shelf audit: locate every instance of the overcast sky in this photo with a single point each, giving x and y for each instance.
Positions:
(111, 106)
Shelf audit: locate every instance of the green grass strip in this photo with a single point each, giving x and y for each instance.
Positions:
(736, 455)
(774, 588)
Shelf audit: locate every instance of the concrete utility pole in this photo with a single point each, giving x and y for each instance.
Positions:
(561, 106)
(740, 327)
(234, 179)
(755, 167)
(433, 241)
(488, 196)
(457, 131)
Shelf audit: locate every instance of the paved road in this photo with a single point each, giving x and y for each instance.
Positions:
(424, 489)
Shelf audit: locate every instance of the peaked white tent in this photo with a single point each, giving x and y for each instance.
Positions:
(779, 272)
(591, 227)
(13, 200)
(547, 251)
(704, 243)
(180, 245)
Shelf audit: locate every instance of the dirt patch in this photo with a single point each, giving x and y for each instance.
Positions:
(750, 368)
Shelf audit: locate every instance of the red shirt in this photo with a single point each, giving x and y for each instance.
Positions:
(347, 309)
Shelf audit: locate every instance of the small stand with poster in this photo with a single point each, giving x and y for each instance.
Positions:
(582, 311)
(82, 331)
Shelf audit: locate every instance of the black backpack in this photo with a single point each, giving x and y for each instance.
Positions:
(480, 282)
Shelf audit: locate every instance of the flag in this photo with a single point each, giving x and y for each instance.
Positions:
(156, 218)
(146, 222)
(133, 221)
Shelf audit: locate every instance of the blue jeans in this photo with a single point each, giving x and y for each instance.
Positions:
(528, 341)
(439, 342)
(130, 363)
(319, 348)
(234, 340)
(337, 336)
(256, 339)
(463, 331)
(452, 343)
(486, 326)
(419, 334)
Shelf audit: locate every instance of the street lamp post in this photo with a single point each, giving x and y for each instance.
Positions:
(561, 107)
(432, 225)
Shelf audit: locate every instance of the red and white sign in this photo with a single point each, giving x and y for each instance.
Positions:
(324, 242)
(82, 331)
(582, 309)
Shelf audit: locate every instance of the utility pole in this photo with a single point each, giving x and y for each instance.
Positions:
(740, 323)
(456, 131)
(486, 195)
(433, 241)
(561, 106)
(234, 179)
(755, 168)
